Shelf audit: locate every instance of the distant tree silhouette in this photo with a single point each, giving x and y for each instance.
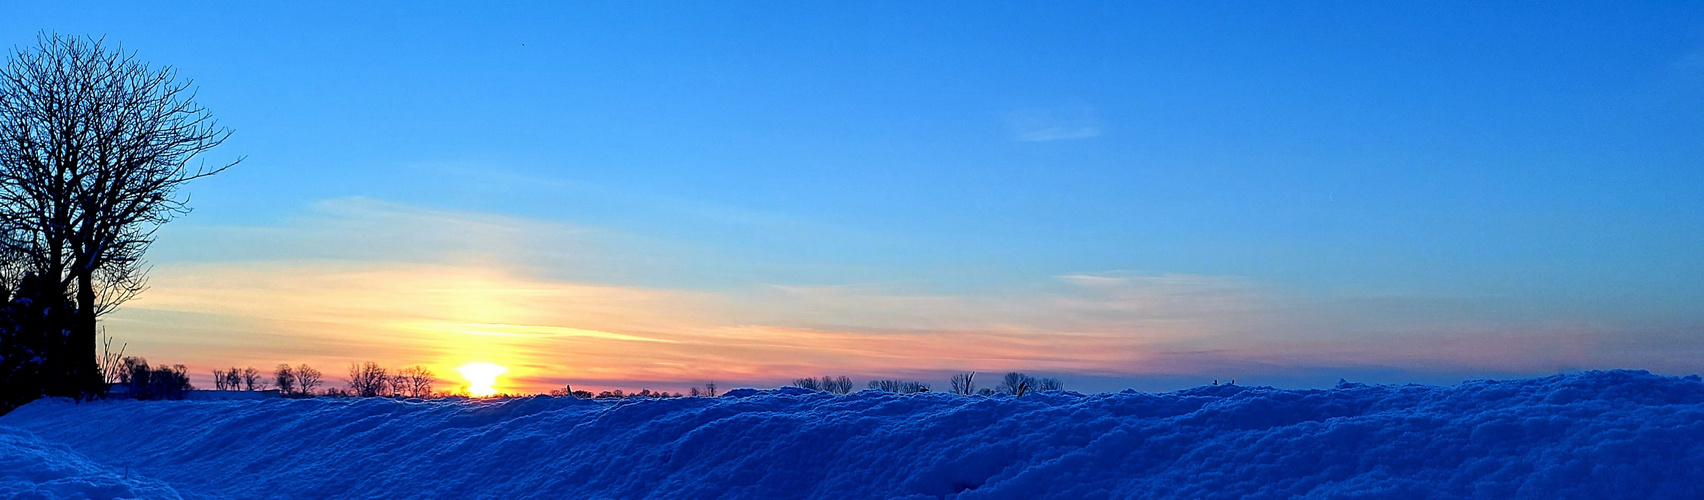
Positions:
(899, 386)
(1049, 384)
(233, 379)
(417, 382)
(94, 145)
(837, 385)
(1016, 384)
(368, 379)
(307, 378)
(834, 385)
(710, 389)
(693, 392)
(285, 378)
(964, 384)
(396, 385)
(252, 380)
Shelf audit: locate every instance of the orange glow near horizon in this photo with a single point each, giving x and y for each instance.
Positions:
(481, 378)
(465, 287)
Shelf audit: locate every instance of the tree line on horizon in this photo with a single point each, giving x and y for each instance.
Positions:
(370, 379)
(963, 384)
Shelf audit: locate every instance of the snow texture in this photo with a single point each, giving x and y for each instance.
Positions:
(31, 468)
(1620, 434)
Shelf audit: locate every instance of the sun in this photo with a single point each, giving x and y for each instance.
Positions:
(481, 378)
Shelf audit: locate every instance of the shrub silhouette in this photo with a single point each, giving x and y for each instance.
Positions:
(153, 383)
(35, 325)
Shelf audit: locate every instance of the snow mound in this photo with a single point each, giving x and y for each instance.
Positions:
(1621, 434)
(31, 468)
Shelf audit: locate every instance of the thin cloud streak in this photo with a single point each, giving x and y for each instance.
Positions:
(1054, 124)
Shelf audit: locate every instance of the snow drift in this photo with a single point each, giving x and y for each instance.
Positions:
(1619, 434)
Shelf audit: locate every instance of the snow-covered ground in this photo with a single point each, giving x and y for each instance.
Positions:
(1592, 435)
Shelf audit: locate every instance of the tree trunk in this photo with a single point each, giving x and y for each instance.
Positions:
(84, 374)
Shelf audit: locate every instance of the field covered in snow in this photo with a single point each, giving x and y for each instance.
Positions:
(1619, 434)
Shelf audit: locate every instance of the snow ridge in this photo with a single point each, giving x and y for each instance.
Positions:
(1617, 434)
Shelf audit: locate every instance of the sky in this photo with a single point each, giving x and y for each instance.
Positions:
(1117, 194)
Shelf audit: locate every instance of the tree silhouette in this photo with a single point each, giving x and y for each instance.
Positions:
(899, 386)
(417, 381)
(94, 145)
(307, 378)
(964, 384)
(368, 379)
(285, 377)
(252, 381)
(1016, 384)
(233, 379)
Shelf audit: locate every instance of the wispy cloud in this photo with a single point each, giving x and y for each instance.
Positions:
(1054, 124)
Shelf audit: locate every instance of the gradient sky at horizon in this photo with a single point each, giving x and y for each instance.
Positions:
(1119, 194)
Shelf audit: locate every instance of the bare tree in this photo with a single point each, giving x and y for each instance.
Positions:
(1016, 384)
(285, 377)
(398, 385)
(234, 379)
(252, 381)
(964, 384)
(307, 378)
(710, 389)
(94, 146)
(368, 379)
(218, 379)
(418, 381)
(833, 385)
(1049, 384)
(837, 385)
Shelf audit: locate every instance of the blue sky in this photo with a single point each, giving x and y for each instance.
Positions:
(1431, 172)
